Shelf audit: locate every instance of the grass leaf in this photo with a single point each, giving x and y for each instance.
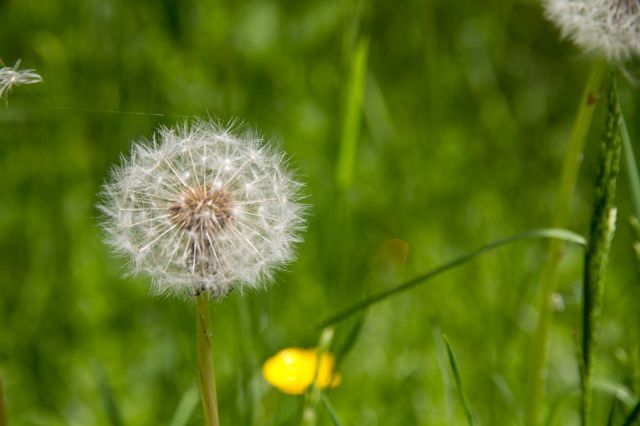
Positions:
(3, 411)
(561, 234)
(509, 398)
(186, 406)
(458, 379)
(350, 340)
(353, 115)
(446, 381)
(612, 412)
(616, 390)
(563, 203)
(555, 405)
(633, 415)
(108, 399)
(632, 168)
(331, 411)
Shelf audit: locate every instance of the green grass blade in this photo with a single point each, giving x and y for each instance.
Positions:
(597, 254)
(561, 234)
(635, 370)
(564, 199)
(446, 381)
(352, 337)
(555, 405)
(186, 407)
(631, 166)
(353, 115)
(612, 412)
(633, 176)
(507, 395)
(634, 224)
(616, 390)
(108, 400)
(331, 410)
(458, 379)
(633, 416)
(3, 411)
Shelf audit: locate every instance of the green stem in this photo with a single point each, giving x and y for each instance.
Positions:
(568, 179)
(597, 254)
(205, 362)
(3, 410)
(314, 395)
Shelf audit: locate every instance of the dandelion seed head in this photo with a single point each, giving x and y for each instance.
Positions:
(608, 28)
(198, 208)
(11, 76)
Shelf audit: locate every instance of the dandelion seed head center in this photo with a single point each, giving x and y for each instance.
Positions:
(202, 209)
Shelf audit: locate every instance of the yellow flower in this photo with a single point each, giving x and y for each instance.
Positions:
(292, 370)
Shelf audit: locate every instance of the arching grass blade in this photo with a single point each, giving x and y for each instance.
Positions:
(561, 234)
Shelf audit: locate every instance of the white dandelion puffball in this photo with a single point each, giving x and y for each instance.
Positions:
(200, 209)
(11, 76)
(609, 28)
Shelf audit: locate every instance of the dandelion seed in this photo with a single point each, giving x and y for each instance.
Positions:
(292, 370)
(608, 28)
(198, 211)
(11, 76)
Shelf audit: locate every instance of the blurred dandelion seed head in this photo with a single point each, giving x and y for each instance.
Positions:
(11, 76)
(200, 208)
(609, 28)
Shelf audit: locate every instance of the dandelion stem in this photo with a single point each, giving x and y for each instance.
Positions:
(314, 394)
(568, 179)
(205, 361)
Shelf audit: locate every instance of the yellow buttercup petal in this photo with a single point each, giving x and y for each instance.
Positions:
(292, 370)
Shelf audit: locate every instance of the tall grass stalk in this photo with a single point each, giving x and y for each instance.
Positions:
(314, 394)
(205, 361)
(597, 255)
(564, 198)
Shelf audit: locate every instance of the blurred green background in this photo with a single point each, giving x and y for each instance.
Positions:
(466, 112)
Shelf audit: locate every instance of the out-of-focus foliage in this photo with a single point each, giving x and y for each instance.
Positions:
(466, 112)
